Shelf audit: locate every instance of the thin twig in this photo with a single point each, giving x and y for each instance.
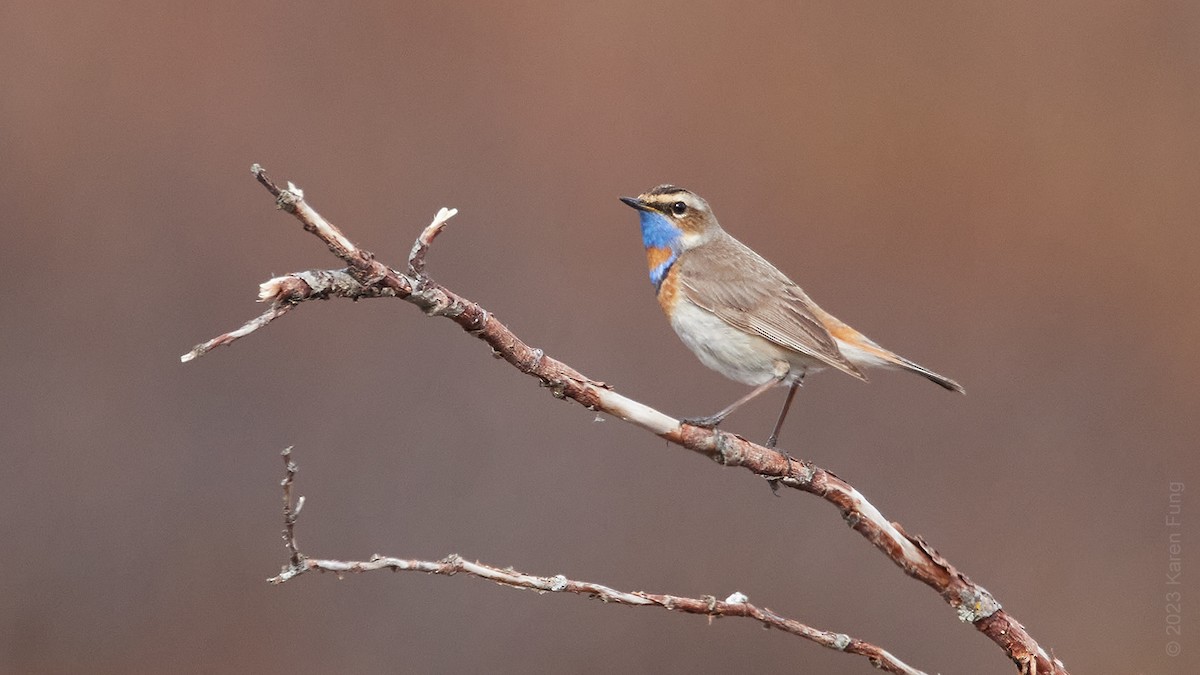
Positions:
(276, 310)
(416, 258)
(736, 605)
(291, 511)
(973, 603)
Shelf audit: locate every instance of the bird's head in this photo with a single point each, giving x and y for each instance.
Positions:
(674, 218)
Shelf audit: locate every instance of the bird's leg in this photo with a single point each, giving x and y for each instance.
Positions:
(774, 438)
(787, 403)
(711, 421)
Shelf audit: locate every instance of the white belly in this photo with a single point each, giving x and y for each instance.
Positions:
(740, 356)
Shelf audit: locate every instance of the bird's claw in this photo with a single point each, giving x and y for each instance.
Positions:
(707, 422)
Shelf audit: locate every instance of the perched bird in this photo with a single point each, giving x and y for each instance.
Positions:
(740, 316)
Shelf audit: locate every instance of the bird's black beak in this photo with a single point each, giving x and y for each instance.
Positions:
(636, 203)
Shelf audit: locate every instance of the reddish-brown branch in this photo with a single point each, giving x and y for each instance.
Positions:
(973, 603)
(736, 605)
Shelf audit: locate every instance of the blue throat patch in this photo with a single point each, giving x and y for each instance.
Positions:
(658, 232)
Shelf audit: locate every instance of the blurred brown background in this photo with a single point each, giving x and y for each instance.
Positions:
(1006, 194)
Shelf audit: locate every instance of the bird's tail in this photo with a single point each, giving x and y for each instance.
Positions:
(940, 380)
(862, 350)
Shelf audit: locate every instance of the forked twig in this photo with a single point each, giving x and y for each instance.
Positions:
(736, 605)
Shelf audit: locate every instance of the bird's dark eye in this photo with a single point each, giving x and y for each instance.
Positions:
(679, 208)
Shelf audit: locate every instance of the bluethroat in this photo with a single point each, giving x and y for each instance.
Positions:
(740, 316)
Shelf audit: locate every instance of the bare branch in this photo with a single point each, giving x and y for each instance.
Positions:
(274, 312)
(291, 511)
(362, 265)
(973, 603)
(736, 605)
(286, 292)
(416, 259)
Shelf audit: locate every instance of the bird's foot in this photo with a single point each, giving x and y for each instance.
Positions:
(774, 481)
(707, 422)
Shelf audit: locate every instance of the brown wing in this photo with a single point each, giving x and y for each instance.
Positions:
(733, 282)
